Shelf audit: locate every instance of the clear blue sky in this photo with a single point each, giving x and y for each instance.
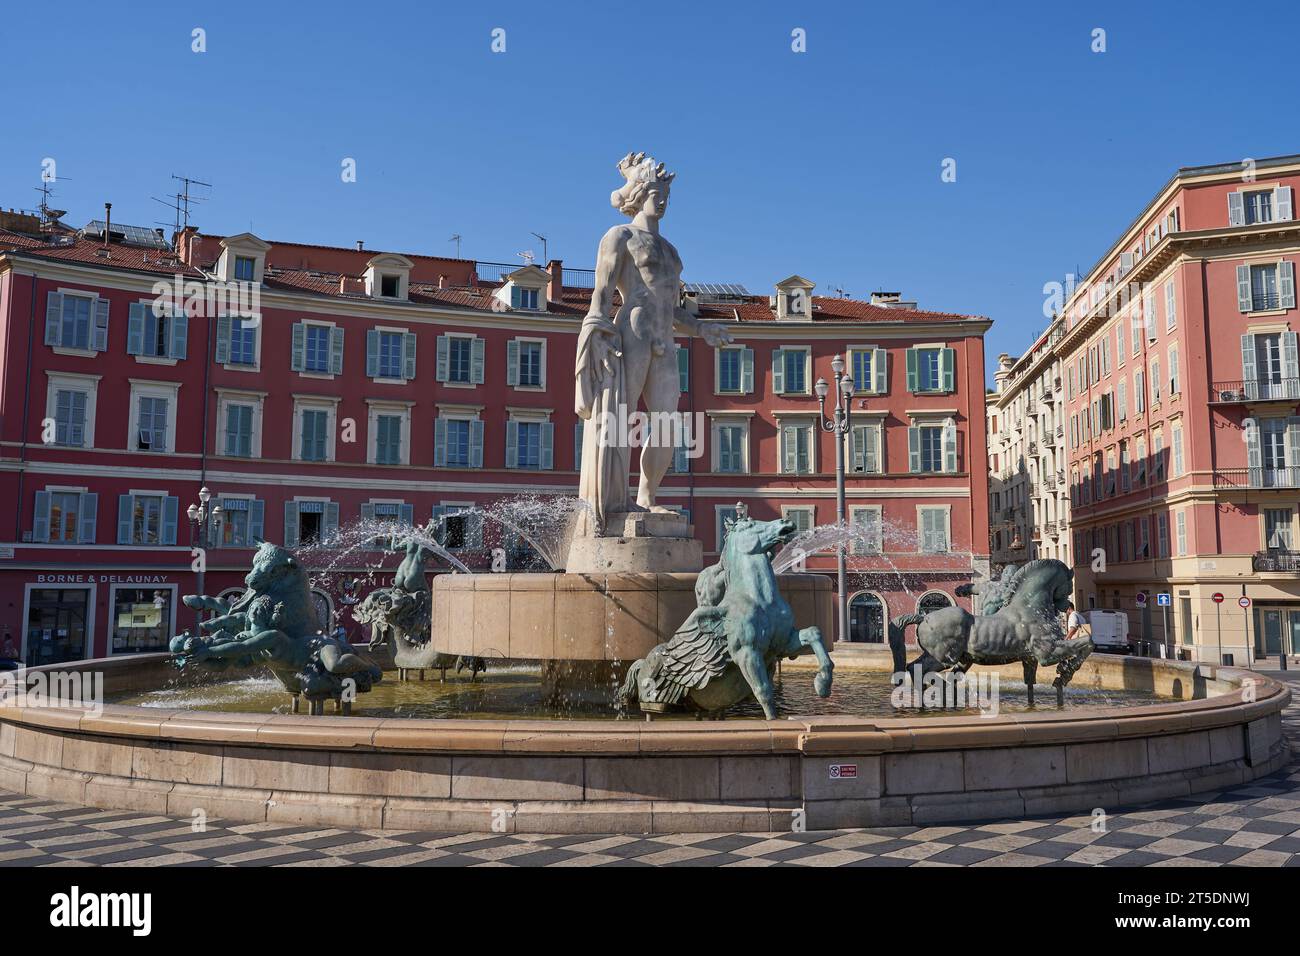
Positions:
(825, 163)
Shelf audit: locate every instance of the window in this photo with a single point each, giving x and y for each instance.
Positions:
(1180, 524)
(932, 447)
(1149, 313)
(1271, 448)
(1259, 206)
(1265, 287)
(74, 330)
(245, 268)
(1143, 544)
(1139, 391)
(1171, 306)
(151, 423)
(723, 515)
(683, 368)
(521, 298)
(151, 335)
(1174, 385)
(390, 286)
(930, 369)
(526, 363)
(790, 371)
(932, 530)
(1157, 457)
(730, 447)
(314, 434)
(310, 522)
(1162, 535)
(458, 443)
(866, 619)
(866, 448)
(70, 417)
(239, 430)
(142, 619)
(796, 449)
(242, 339)
(317, 356)
(146, 518)
(65, 516)
(1122, 399)
(1277, 529)
(867, 530)
(242, 521)
(1155, 381)
(461, 527)
(870, 370)
(460, 360)
(388, 439)
(317, 348)
(76, 321)
(389, 354)
(735, 370)
(803, 517)
(529, 444)
(1178, 452)
(1140, 463)
(1125, 478)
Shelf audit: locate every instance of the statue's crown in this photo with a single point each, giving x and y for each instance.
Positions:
(640, 167)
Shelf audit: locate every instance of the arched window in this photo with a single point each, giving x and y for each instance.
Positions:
(324, 610)
(934, 601)
(866, 619)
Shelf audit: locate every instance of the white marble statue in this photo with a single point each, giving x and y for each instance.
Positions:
(631, 357)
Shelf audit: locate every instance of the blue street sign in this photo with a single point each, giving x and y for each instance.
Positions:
(1164, 599)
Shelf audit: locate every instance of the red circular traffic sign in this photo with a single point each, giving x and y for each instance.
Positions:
(1244, 602)
(1218, 598)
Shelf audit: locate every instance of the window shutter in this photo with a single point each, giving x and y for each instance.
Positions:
(514, 296)
(860, 440)
(1286, 284)
(256, 522)
(381, 438)
(512, 444)
(135, 329)
(99, 341)
(683, 368)
(778, 372)
(948, 368)
(291, 524)
(1236, 209)
(408, 356)
(298, 361)
(1123, 401)
(681, 464)
(1290, 365)
(911, 370)
(1149, 315)
(372, 353)
(790, 449)
(336, 351)
(1139, 392)
(476, 361)
(443, 370)
(476, 444)
(747, 371)
(367, 511)
(87, 517)
(406, 514)
(53, 317)
(950, 446)
(1243, 288)
(41, 517)
(548, 445)
(1292, 440)
(171, 506)
(125, 507)
(331, 519)
(577, 444)
(1171, 306)
(440, 443)
(512, 363)
(224, 330)
(178, 342)
(1282, 204)
(880, 369)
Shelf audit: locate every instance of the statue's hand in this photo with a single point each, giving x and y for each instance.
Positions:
(715, 333)
(606, 349)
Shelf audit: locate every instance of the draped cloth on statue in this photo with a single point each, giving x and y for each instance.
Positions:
(600, 395)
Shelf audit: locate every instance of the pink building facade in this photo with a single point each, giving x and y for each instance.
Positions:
(1183, 430)
(384, 385)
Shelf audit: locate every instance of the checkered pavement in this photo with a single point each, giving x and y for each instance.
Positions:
(1253, 825)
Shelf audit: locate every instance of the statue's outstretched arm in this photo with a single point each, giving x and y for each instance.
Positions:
(248, 645)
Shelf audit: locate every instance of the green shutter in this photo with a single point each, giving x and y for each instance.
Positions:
(408, 356)
(87, 515)
(53, 318)
(443, 371)
(512, 363)
(222, 349)
(135, 329)
(947, 369)
(439, 442)
(298, 358)
(476, 444)
(914, 449)
(41, 517)
(512, 444)
(336, 351)
(778, 372)
(477, 360)
(747, 371)
(911, 372)
(683, 368)
(1243, 288)
(372, 353)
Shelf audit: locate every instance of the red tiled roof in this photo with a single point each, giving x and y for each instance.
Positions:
(16, 240)
(119, 256)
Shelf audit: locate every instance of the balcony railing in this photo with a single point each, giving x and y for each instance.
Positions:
(1257, 478)
(1255, 390)
(1275, 560)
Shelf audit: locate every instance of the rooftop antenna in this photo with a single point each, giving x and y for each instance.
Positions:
(538, 235)
(184, 198)
(842, 293)
(48, 216)
(527, 255)
(456, 239)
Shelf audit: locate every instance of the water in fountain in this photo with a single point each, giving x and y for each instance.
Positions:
(546, 523)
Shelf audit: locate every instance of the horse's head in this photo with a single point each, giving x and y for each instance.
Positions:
(1044, 584)
(747, 536)
(275, 570)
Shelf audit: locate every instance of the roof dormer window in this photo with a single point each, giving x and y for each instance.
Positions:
(389, 286)
(793, 299)
(525, 289)
(242, 259)
(387, 276)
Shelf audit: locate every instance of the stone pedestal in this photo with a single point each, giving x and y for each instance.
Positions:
(638, 542)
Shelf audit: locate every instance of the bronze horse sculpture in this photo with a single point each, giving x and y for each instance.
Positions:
(1026, 628)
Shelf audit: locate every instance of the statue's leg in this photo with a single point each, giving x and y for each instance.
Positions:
(662, 392)
(1031, 674)
(750, 662)
(812, 637)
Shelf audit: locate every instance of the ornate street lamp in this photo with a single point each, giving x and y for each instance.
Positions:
(839, 425)
(205, 522)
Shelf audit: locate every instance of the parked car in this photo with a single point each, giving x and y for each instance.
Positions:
(1109, 631)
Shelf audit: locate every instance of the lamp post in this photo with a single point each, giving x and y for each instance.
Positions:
(839, 425)
(205, 518)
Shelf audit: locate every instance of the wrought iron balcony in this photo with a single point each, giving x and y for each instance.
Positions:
(1255, 390)
(1275, 559)
(1257, 478)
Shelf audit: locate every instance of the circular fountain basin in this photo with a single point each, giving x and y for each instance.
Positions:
(1217, 727)
(586, 617)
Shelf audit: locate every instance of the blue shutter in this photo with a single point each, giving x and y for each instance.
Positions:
(747, 371)
(683, 368)
(778, 372)
(548, 446)
(880, 366)
(514, 296)
(171, 507)
(135, 329)
(87, 516)
(443, 371)
(512, 444)
(53, 317)
(948, 368)
(41, 517)
(99, 337)
(291, 524)
(577, 444)
(1286, 284)
(336, 351)
(408, 356)
(406, 514)
(298, 358)
(476, 444)
(476, 362)
(180, 334)
(512, 362)
(439, 442)
(125, 505)
(225, 328)
(331, 519)
(911, 371)
(256, 521)
(372, 353)
(914, 449)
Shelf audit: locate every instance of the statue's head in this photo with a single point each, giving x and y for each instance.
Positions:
(646, 189)
(747, 536)
(274, 568)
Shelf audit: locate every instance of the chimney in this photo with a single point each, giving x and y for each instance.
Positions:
(108, 221)
(361, 245)
(556, 268)
(442, 280)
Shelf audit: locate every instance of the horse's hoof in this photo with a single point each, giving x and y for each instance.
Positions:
(822, 683)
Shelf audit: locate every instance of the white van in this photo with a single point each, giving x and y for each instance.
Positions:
(1109, 631)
